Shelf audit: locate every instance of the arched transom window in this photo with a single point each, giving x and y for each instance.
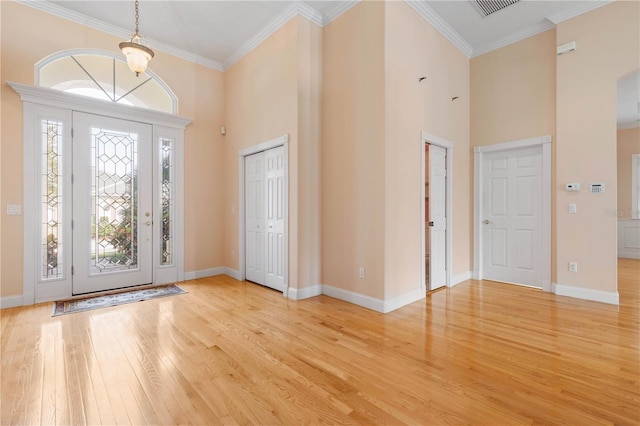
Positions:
(104, 75)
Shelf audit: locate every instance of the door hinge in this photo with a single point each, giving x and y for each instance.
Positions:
(71, 132)
(72, 270)
(73, 178)
(72, 224)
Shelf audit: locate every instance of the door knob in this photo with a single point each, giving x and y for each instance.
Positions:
(486, 222)
(148, 223)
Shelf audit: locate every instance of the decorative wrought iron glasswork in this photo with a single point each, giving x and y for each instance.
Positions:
(166, 197)
(52, 202)
(114, 193)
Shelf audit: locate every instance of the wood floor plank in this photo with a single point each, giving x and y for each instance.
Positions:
(230, 352)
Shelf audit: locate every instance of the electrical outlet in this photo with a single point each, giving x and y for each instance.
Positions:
(573, 208)
(361, 273)
(573, 266)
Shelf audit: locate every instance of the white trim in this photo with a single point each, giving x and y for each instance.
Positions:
(304, 293)
(355, 298)
(10, 302)
(296, 9)
(460, 278)
(204, 273)
(273, 143)
(54, 103)
(629, 238)
(232, 273)
(610, 297)
(98, 52)
(635, 186)
(72, 101)
(404, 300)
(513, 38)
(124, 34)
(577, 11)
(340, 8)
(441, 26)
(545, 142)
(633, 125)
(427, 138)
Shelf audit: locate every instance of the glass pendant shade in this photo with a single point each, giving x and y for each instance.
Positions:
(138, 55)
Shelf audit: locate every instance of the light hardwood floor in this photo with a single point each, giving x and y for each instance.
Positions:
(237, 353)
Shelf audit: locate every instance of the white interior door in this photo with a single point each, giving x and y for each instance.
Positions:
(512, 216)
(275, 205)
(254, 217)
(437, 217)
(112, 203)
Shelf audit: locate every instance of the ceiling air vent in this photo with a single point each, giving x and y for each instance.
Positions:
(487, 7)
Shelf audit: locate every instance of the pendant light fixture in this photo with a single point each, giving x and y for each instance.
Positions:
(138, 55)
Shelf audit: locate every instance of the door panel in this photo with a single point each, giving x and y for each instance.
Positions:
(254, 217)
(275, 256)
(112, 203)
(437, 216)
(512, 216)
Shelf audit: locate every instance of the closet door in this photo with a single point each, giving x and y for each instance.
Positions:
(275, 208)
(254, 217)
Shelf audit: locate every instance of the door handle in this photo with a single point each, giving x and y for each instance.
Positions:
(148, 223)
(431, 223)
(486, 222)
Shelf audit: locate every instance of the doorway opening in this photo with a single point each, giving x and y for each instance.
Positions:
(436, 195)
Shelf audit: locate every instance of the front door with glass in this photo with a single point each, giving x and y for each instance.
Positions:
(112, 203)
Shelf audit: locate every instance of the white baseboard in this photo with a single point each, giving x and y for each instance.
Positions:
(629, 254)
(460, 278)
(587, 294)
(404, 300)
(10, 301)
(355, 298)
(233, 273)
(204, 273)
(304, 293)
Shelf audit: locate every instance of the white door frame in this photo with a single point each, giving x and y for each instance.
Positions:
(478, 152)
(448, 146)
(273, 143)
(33, 98)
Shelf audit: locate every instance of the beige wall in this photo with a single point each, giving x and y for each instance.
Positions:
(353, 164)
(608, 47)
(413, 48)
(272, 91)
(513, 91)
(200, 94)
(628, 144)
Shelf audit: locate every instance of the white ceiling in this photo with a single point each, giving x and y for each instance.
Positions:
(218, 33)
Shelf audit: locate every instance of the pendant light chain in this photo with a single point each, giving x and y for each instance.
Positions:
(137, 17)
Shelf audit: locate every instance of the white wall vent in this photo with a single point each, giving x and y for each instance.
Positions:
(487, 7)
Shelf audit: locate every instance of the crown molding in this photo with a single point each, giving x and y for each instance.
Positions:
(338, 10)
(441, 25)
(513, 38)
(261, 36)
(296, 9)
(310, 13)
(577, 11)
(61, 12)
